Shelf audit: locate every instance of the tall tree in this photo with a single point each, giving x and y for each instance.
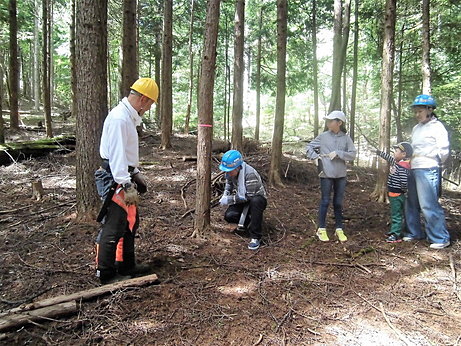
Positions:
(73, 79)
(426, 62)
(46, 65)
(355, 68)
(239, 69)
(36, 74)
(337, 66)
(258, 73)
(91, 69)
(386, 96)
(14, 65)
(205, 129)
(191, 68)
(276, 157)
(129, 47)
(166, 95)
(2, 124)
(315, 68)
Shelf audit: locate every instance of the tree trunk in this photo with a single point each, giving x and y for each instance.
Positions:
(315, 68)
(2, 124)
(335, 101)
(91, 70)
(354, 72)
(36, 72)
(398, 112)
(226, 70)
(258, 74)
(46, 67)
(129, 47)
(166, 94)
(276, 157)
(344, 43)
(191, 68)
(14, 66)
(386, 97)
(426, 62)
(158, 62)
(205, 129)
(239, 68)
(73, 81)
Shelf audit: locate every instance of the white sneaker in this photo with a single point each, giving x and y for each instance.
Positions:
(439, 245)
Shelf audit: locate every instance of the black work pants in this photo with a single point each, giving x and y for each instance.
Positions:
(115, 228)
(253, 221)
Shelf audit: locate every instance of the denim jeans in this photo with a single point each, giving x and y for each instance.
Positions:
(338, 185)
(423, 197)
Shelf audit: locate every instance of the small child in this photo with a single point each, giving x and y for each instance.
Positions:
(397, 186)
(331, 149)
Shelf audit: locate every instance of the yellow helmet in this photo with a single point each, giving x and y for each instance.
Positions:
(146, 87)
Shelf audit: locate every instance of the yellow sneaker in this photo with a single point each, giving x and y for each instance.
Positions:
(322, 234)
(340, 235)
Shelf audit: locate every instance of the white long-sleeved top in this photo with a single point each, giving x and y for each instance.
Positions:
(429, 142)
(119, 140)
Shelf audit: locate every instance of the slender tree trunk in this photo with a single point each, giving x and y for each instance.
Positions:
(386, 96)
(46, 67)
(344, 44)
(354, 72)
(158, 63)
(91, 70)
(73, 82)
(166, 95)
(258, 74)
(191, 68)
(335, 101)
(426, 62)
(14, 66)
(315, 68)
(2, 123)
(226, 70)
(239, 68)
(205, 129)
(51, 52)
(276, 157)
(36, 72)
(129, 47)
(398, 122)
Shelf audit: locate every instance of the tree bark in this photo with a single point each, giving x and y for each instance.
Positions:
(46, 66)
(91, 66)
(205, 129)
(14, 65)
(315, 68)
(386, 97)
(129, 47)
(166, 94)
(258, 74)
(36, 72)
(276, 156)
(191, 68)
(239, 68)
(354, 72)
(335, 101)
(73, 68)
(2, 123)
(426, 62)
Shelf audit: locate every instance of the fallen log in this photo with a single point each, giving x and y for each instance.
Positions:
(83, 295)
(12, 152)
(20, 319)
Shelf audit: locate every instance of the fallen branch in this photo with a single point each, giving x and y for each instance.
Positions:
(85, 295)
(453, 272)
(20, 319)
(396, 331)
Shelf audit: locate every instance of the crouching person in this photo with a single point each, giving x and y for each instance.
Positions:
(245, 195)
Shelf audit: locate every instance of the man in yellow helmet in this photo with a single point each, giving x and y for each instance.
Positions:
(118, 181)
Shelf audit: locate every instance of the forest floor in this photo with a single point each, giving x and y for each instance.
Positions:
(295, 290)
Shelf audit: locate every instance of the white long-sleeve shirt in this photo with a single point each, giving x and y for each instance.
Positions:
(119, 140)
(429, 142)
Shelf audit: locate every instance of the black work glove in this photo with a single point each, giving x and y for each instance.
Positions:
(140, 181)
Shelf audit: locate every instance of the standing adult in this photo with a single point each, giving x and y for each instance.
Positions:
(118, 181)
(429, 140)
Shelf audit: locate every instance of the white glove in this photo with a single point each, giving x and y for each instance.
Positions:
(332, 155)
(316, 161)
(224, 199)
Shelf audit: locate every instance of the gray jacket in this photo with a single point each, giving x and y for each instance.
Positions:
(324, 144)
(245, 186)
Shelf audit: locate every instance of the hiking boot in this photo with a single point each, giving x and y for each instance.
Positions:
(393, 239)
(439, 245)
(322, 234)
(409, 239)
(138, 269)
(340, 235)
(114, 279)
(254, 244)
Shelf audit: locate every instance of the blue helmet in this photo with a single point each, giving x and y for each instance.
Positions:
(231, 160)
(424, 100)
